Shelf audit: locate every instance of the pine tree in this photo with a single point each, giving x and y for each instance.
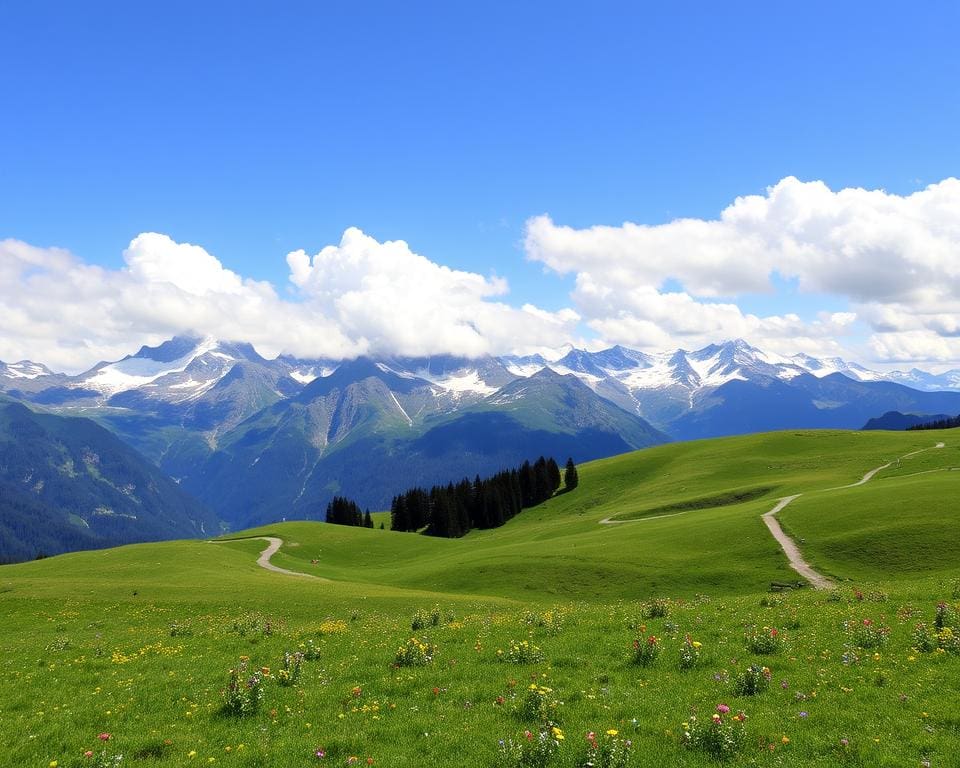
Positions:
(553, 471)
(528, 484)
(542, 489)
(570, 478)
(367, 520)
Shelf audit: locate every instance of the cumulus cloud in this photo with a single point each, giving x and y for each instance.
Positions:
(895, 259)
(357, 297)
(155, 258)
(920, 346)
(396, 301)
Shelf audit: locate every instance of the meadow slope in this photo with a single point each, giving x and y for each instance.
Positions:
(136, 643)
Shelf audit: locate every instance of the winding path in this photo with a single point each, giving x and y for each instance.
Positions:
(274, 544)
(790, 549)
(794, 557)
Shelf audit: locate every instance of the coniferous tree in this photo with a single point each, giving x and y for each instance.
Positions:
(570, 477)
(454, 509)
(528, 484)
(343, 511)
(399, 517)
(367, 520)
(553, 471)
(542, 488)
(938, 424)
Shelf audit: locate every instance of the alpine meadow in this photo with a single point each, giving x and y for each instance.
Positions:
(645, 618)
(479, 385)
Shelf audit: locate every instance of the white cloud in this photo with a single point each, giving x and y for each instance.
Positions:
(895, 259)
(156, 258)
(398, 302)
(356, 297)
(920, 346)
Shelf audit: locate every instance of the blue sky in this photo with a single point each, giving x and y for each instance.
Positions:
(254, 132)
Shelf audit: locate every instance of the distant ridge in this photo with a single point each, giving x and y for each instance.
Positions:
(894, 420)
(67, 483)
(260, 440)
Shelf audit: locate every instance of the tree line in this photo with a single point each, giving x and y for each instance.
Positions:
(343, 511)
(938, 424)
(454, 509)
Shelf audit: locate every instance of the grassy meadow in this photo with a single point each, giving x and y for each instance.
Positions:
(527, 645)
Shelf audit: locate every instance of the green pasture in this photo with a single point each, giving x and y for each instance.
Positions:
(137, 642)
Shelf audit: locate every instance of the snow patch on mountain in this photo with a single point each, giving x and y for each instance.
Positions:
(400, 408)
(459, 383)
(830, 365)
(25, 370)
(590, 379)
(135, 372)
(395, 371)
(303, 376)
(524, 369)
(713, 371)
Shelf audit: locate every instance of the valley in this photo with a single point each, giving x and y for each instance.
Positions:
(256, 440)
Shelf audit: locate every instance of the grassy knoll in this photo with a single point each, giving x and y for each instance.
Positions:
(137, 642)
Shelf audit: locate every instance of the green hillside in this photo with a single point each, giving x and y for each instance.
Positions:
(137, 642)
(67, 483)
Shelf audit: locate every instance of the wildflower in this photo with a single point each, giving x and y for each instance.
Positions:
(723, 709)
(784, 740)
(612, 732)
(320, 753)
(88, 753)
(104, 737)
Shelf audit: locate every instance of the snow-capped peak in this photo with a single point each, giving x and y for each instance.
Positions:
(821, 367)
(151, 364)
(24, 369)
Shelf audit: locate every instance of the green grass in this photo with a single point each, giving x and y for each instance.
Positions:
(724, 499)
(88, 647)
(904, 523)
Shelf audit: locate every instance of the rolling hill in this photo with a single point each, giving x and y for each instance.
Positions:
(129, 650)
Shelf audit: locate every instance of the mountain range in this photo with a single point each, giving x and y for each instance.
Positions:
(259, 439)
